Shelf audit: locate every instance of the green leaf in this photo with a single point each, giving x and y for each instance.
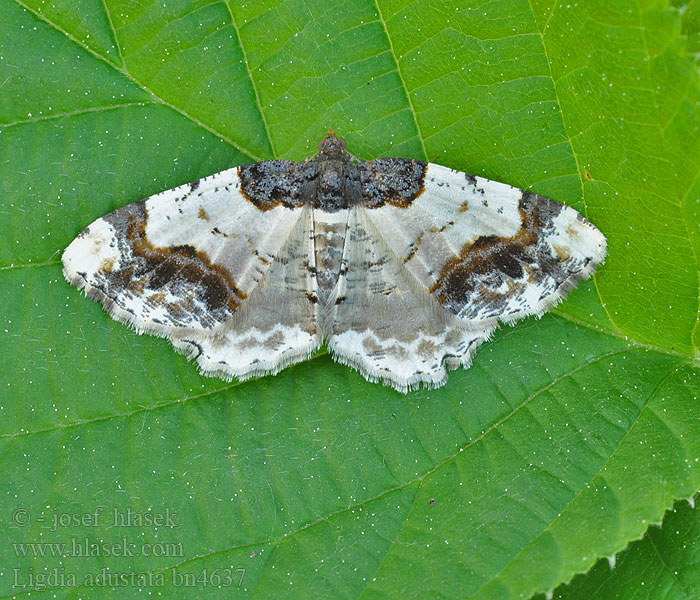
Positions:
(663, 564)
(560, 445)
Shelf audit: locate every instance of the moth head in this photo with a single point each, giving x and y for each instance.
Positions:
(331, 144)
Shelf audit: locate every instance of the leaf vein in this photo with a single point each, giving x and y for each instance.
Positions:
(124, 72)
(403, 81)
(584, 487)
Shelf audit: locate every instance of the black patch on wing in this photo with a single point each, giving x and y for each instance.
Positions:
(395, 181)
(276, 182)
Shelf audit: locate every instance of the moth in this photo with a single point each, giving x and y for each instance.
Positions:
(402, 267)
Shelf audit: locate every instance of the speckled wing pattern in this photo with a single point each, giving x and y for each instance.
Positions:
(206, 269)
(402, 267)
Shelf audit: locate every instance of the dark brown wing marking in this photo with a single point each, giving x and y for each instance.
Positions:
(474, 277)
(184, 271)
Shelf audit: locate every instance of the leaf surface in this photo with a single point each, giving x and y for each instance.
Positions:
(663, 564)
(561, 444)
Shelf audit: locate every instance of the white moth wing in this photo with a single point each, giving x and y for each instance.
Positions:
(278, 323)
(487, 250)
(183, 263)
(387, 325)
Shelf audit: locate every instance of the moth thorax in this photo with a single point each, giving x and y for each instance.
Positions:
(330, 191)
